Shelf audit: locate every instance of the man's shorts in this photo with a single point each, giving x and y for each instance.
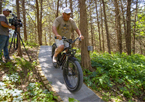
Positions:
(61, 42)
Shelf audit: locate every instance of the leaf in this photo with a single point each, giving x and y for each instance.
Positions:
(101, 81)
(72, 100)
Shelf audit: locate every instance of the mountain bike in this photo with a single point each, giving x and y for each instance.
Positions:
(72, 71)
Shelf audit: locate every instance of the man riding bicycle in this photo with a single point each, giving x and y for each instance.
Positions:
(63, 26)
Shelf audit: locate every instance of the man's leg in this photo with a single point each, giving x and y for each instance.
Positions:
(6, 52)
(3, 39)
(59, 49)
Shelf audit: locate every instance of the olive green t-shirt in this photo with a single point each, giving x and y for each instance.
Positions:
(64, 28)
(3, 30)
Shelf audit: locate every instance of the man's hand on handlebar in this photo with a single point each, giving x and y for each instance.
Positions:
(81, 37)
(58, 37)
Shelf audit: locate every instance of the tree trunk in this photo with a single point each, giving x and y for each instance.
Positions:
(98, 26)
(118, 27)
(128, 35)
(91, 24)
(45, 38)
(66, 3)
(50, 30)
(40, 22)
(57, 8)
(24, 19)
(18, 29)
(37, 11)
(71, 8)
(134, 30)
(36, 30)
(106, 26)
(85, 58)
(124, 21)
(72, 35)
(102, 28)
(1, 6)
(141, 50)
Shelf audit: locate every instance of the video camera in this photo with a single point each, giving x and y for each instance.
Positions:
(15, 21)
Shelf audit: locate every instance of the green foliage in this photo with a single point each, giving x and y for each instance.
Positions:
(140, 25)
(72, 100)
(34, 92)
(24, 63)
(37, 94)
(32, 44)
(116, 70)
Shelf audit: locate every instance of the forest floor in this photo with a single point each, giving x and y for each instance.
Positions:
(27, 71)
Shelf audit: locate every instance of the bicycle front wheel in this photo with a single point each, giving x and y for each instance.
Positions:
(73, 76)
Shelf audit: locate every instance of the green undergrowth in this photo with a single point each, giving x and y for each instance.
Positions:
(20, 83)
(118, 77)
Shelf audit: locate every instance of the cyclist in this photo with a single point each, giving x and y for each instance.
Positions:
(63, 26)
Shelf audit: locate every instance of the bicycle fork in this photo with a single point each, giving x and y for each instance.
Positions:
(65, 65)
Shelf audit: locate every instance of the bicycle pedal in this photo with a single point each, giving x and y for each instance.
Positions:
(55, 65)
(61, 67)
(69, 74)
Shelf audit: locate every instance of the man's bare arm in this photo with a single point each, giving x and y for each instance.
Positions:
(79, 33)
(6, 25)
(54, 30)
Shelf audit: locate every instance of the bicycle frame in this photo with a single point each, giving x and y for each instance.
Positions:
(63, 57)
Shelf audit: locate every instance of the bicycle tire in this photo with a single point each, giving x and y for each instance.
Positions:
(67, 73)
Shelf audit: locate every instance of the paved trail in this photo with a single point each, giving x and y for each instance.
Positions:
(55, 76)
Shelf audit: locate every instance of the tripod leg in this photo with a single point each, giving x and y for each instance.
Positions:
(11, 43)
(16, 46)
(24, 46)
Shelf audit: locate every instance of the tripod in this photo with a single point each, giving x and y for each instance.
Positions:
(16, 33)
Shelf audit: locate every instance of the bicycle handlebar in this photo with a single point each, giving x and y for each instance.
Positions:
(70, 40)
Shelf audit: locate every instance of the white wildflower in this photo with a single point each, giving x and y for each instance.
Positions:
(17, 99)
(2, 84)
(16, 92)
(14, 77)
(5, 77)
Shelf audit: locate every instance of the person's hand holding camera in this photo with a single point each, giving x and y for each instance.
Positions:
(12, 27)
